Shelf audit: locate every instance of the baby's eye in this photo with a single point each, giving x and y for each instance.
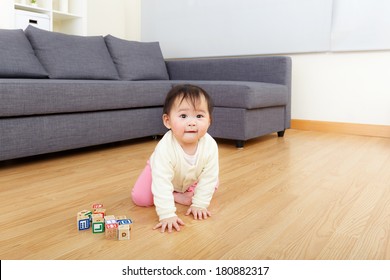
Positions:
(183, 116)
(199, 116)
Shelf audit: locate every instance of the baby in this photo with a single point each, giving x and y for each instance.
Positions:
(184, 166)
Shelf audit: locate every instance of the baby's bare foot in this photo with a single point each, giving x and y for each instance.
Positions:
(183, 198)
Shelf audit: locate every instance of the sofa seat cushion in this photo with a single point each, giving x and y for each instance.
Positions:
(22, 97)
(247, 95)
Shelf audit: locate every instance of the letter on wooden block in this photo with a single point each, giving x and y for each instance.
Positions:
(97, 225)
(111, 230)
(83, 220)
(124, 232)
(83, 224)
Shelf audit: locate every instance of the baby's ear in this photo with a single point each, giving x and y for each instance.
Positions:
(166, 121)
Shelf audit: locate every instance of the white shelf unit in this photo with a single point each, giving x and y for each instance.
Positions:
(66, 16)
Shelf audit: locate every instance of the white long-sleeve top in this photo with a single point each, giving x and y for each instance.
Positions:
(172, 172)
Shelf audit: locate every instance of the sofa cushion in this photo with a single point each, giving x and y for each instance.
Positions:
(246, 95)
(17, 58)
(72, 57)
(25, 97)
(22, 97)
(137, 60)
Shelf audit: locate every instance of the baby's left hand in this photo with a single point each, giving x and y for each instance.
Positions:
(198, 213)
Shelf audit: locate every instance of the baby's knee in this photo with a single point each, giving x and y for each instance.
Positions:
(142, 200)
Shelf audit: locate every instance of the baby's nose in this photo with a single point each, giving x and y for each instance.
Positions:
(191, 121)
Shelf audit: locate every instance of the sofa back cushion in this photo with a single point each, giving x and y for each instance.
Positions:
(17, 58)
(72, 57)
(137, 60)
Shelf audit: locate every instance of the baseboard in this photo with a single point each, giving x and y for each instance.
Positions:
(347, 128)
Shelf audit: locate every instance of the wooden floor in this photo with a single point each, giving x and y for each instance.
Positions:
(308, 195)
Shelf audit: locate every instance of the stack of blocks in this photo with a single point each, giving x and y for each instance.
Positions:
(98, 218)
(114, 227)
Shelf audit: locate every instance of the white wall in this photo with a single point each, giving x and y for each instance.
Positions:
(231, 28)
(351, 87)
(120, 18)
(6, 14)
(106, 18)
(133, 19)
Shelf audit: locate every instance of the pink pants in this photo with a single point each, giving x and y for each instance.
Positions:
(142, 191)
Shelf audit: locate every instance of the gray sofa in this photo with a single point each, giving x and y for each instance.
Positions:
(60, 92)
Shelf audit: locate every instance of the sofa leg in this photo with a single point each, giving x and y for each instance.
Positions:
(281, 133)
(239, 144)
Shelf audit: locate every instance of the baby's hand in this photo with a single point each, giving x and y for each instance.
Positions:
(198, 213)
(168, 223)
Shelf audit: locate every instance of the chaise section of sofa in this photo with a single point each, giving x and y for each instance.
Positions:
(252, 96)
(86, 91)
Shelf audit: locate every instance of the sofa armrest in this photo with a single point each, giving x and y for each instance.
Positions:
(271, 69)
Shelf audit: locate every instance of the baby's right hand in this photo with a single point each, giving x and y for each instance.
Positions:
(169, 223)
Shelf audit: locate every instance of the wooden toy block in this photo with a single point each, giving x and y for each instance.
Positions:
(122, 217)
(109, 217)
(110, 222)
(83, 223)
(126, 222)
(83, 220)
(97, 205)
(124, 232)
(98, 208)
(97, 225)
(84, 213)
(99, 211)
(97, 216)
(111, 230)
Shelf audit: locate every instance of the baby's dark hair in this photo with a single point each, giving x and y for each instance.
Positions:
(187, 92)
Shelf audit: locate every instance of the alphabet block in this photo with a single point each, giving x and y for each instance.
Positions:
(109, 217)
(97, 216)
(97, 225)
(97, 205)
(101, 211)
(124, 232)
(83, 223)
(126, 222)
(83, 220)
(85, 213)
(111, 230)
(121, 217)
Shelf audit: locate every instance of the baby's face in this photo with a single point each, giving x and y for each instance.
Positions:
(188, 124)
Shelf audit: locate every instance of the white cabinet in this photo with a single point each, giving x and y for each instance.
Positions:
(66, 16)
(26, 18)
